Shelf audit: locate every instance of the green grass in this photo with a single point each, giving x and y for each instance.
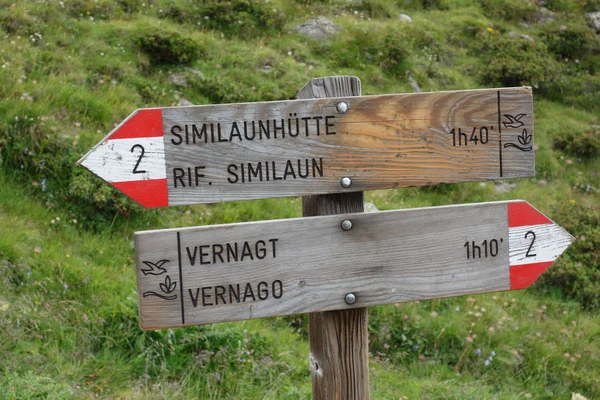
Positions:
(70, 71)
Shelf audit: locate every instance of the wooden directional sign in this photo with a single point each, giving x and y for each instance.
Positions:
(261, 269)
(206, 154)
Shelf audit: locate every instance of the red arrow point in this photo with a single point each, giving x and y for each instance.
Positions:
(149, 193)
(535, 242)
(141, 124)
(521, 213)
(521, 276)
(132, 158)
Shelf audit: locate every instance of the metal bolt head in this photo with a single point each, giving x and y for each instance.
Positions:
(350, 298)
(346, 182)
(346, 224)
(342, 107)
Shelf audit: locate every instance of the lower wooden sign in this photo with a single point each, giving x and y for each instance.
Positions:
(261, 269)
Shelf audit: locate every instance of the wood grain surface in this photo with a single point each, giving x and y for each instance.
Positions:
(310, 264)
(380, 142)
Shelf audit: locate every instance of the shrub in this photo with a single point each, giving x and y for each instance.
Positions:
(101, 9)
(242, 17)
(394, 54)
(360, 48)
(515, 62)
(577, 271)
(423, 4)
(373, 8)
(573, 6)
(579, 144)
(510, 10)
(591, 5)
(568, 41)
(582, 91)
(15, 22)
(129, 6)
(147, 89)
(179, 14)
(166, 47)
(389, 9)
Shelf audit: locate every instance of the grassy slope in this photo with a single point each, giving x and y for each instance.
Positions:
(67, 295)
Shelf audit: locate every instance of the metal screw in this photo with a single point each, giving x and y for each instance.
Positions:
(342, 107)
(350, 298)
(346, 182)
(346, 224)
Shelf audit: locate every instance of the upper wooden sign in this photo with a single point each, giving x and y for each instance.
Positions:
(260, 269)
(214, 153)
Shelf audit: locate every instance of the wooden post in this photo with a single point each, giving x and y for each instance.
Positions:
(339, 341)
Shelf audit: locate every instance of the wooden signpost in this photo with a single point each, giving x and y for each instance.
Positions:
(215, 153)
(241, 271)
(329, 146)
(338, 339)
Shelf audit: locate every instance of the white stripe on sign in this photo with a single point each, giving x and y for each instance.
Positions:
(537, 243)
(124, 160)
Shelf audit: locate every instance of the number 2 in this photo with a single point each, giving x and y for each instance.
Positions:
(137, 164)
(531, 244)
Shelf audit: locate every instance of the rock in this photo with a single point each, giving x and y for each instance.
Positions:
(515, 35)
(543, 16)
(414, 85)
(265, 68)
(577, 396)
(504, 187)
(369, 207)
(178, 79)
(527, 37)
(199, 74)
(181, 78)
(317, 28)
(593, 20)
(184, 103)
(405, 18)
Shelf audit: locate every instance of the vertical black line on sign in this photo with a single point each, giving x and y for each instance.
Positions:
(180, 277)
(500, 133)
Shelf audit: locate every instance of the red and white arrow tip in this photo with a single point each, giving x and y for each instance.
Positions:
(132, 158)
(535, 243)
